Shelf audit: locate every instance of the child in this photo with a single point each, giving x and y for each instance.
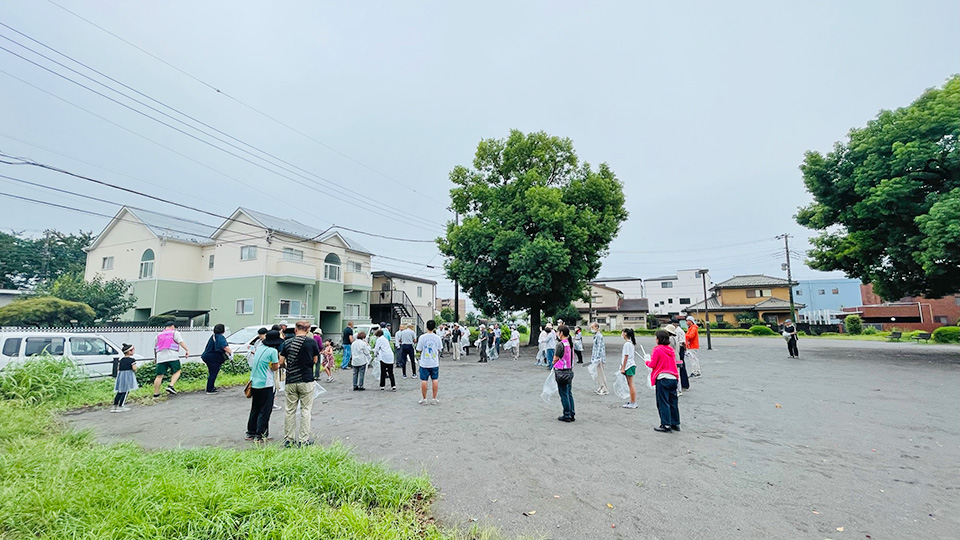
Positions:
(628, 364)
(328, 360)
(664, 376)
(126, 380)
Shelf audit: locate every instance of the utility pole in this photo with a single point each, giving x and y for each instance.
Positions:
(786, 251)
(456, 286)
(706, 307)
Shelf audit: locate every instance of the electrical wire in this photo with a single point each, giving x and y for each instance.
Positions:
(242, 103)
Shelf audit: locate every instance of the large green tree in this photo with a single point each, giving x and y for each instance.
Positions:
(25, 261)
(887, 200)
(109, 299)
(535, 224)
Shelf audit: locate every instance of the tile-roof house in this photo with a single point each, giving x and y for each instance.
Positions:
(611, 310)
(764, 297)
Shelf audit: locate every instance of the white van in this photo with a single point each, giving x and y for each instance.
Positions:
(94, 353)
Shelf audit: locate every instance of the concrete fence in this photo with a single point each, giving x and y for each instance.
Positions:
(143, 337)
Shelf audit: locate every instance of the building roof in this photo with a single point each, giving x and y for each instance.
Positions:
(174, 228)
(776, 303)
(628, 278)
(394, 275)
(607, 287)
(768, 304)
(292, 227)
(753, 280)
(662, 278)
(634, 304)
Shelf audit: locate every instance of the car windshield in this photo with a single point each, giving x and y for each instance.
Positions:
(243, 335)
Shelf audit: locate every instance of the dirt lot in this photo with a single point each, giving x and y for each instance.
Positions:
(866, 438)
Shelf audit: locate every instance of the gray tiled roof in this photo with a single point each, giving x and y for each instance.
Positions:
(776, 303)
(294, 228)
(752, 280)
(634, 304)
(770, 303)
(173, 228)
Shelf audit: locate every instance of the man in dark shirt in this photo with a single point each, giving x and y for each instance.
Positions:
(298, 355)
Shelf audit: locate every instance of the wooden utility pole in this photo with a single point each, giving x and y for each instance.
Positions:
(786, 251)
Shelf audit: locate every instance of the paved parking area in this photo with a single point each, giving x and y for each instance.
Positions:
(863, 436)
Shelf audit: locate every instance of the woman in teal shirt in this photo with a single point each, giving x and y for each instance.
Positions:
(262, 365)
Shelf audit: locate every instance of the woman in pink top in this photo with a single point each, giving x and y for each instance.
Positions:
(563, 371)
(664, 376)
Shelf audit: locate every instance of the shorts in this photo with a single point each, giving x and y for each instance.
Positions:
(429, 373)
(168, 367)
(631, 371)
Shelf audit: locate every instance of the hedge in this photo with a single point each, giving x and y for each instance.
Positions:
(759, 330)
(947, 334)
(192, 370)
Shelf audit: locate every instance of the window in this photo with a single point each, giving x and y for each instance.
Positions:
(942, 319)
(146, 264)
(600, 320)
(290, 308)
(351, 311)
(821, 292)
(666, 284)
(210, 263)
(419, 291)
(685, 301)
(11, 347)
(669, 300)
(331, 267)
(248, 253)
(354, 266)
(718, 318)
(597, 299)
(90, 346)
(799, 292)
(835, 291)
(290, 254)
(39, 345)
(107, 263)
(758, 293)
(245, 306)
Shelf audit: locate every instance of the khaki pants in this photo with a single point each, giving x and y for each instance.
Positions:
(601, 379)
(302, 394)
(456, 351)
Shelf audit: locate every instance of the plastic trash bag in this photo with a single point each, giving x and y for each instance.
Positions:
(318, 390)
(550, 389)
(592, 369)
(646, 380)
(620, 387)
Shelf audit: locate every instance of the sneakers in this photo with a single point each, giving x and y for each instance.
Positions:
(662, 429)
(435, 401)
(210, 392)
(679, 392)
(393, 388)
(277, 407)
(630, 405)
(170, 390)
(329, 379)
(115, 409)
(422, 402)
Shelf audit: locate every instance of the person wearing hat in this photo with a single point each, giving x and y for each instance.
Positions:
(167, 351)
(126, 380)
(263, 365)
(692, 340)
(790, 334)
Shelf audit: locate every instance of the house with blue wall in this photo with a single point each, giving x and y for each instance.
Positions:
(824, 298)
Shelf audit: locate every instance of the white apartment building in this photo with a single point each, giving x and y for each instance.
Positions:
(670, 295)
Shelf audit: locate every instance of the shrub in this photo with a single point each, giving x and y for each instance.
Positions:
(191, 371)
(869, 330)
(801, 333)
(522, 329)
(853, 325)
(947, 334)
(40, 379)
(236, 365)
(46, 311)
(760, 330)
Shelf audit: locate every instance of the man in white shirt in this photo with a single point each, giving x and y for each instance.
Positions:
(429, 346)
(167, 349)
(406, 338)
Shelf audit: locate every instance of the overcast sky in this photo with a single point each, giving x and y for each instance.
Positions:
(703, 109)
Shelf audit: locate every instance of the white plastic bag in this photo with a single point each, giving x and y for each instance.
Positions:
(620, 387)
(550, 389)
(646, 381)
(318, 390)
(592, 368)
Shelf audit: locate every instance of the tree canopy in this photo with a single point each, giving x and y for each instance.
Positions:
(887, 200)
(535, 223)
(46, 311)
(26, 261)
(109, 299)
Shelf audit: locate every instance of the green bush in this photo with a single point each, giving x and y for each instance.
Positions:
(523, 329)
(853, 325)
(869, 331)
(236, 365)
(760, 330)
(801, 333)
(190, 371)
(40, 379)
(947, 334)
(46, 311)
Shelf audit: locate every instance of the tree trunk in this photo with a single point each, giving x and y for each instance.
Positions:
(535, 323)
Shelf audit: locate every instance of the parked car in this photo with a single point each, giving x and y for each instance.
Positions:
(94, 353)
(240, 340)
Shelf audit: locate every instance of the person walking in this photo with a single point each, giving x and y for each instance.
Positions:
(551, 345)
(598, 357)
(214, 354)
(692, 339)
(578, 344)
(360, 359)
(406, 338)
(263, 363)
(514, 342)
(384, 355)
(298, 355)
(790, 334)
(345, 343)
(482, 345)
(167, 351)
(456, 336)
(126, 379)
(563, 372)
(628, 364)
(429, 346)
(663, 375)
(677, 339)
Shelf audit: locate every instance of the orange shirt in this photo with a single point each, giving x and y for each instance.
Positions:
(693, 337)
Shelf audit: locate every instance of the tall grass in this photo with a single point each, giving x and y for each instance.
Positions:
(40, 379)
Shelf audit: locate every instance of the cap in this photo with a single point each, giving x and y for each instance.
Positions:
(691, 319)
(284, 323)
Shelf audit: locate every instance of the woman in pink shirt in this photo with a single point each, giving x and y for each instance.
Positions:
(563, 371)
(664, 376)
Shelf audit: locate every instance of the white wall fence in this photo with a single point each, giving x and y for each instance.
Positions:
(143, 338)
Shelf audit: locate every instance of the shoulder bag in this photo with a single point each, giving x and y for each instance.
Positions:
(563, 375)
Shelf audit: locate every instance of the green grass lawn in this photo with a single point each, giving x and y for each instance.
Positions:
(57, 483)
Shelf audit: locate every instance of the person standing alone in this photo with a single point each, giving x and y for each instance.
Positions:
(429, 346)
(298, 355)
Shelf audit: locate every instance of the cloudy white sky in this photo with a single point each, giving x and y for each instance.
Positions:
(703, 109)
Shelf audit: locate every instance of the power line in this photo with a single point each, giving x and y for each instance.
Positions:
(191, 135)
(244, 104)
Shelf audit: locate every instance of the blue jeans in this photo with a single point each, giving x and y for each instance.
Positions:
(667, 402)
(550, 358)
(346, 356)
(566, 398)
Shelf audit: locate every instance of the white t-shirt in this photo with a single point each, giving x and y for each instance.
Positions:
(382, 350)
(169, 355)
(407, 336)
(630, 352)
(429, 345)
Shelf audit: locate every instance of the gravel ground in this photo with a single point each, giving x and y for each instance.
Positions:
(862, 436)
